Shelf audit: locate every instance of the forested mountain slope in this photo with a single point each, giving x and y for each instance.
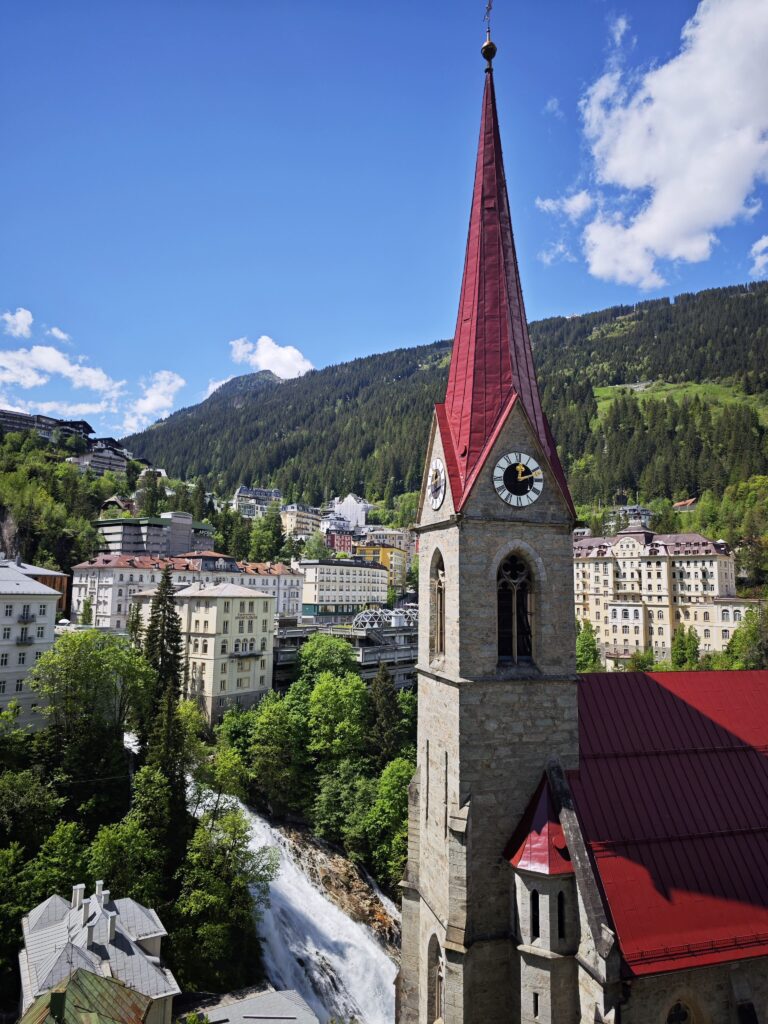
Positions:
(363, 425)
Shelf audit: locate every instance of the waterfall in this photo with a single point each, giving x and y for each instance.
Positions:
(311, 946)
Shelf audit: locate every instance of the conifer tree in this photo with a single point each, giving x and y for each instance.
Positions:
(387, 724)
(134, 625)
(163, 647)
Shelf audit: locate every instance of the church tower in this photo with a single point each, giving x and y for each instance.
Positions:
(496, 665)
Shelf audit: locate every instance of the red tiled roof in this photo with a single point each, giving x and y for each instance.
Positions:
(538, 843)
(492, 359)
(672, 798)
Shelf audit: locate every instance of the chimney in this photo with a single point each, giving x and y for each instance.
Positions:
(112, 919)
(86, 911)
(78, 891)
(90, 934)
(105, 897)
(56, 1006)
(99, 890)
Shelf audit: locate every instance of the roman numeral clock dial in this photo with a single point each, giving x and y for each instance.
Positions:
(436, 484)
(518, 479)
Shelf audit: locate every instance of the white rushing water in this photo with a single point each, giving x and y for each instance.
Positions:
(311, 946)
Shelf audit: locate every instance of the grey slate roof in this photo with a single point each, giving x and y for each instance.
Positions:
(265, 1006)
(14, 581)
(56, 942)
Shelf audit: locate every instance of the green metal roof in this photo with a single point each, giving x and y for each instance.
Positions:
(90, 999)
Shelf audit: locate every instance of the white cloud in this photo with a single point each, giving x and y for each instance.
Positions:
(58, 334)
(18, 324)
(283, 360)
(759, 255)
(574, 206)
(552, 106)
(555, 253)
(156, 402)
(214, 385)
(33, 367)
(67, 409)
(686, 145)
(618, 29)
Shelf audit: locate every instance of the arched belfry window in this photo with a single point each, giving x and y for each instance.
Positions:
(437, 607)
(679, 1014)
(513, 601)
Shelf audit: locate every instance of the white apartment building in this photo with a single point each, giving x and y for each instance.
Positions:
(300, 521)
(253, 502)
(27, 621)
(387, 536)
(352, 508)
(228, 632)
(169, 534)
(335, 590)
(102, 458)
(110, 581)
(637, 587)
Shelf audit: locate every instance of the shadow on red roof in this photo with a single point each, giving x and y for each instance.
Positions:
(672, 798)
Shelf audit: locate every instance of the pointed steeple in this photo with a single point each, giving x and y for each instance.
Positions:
(492, 363)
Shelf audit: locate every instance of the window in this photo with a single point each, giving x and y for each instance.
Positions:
(513, 605)
(535, 928)
(437, 607)
(6, 632)
(707, 634)
(19, 685)
(726, 615)
(8, 611)
(226, 607)
(2, 686)
(726, 634)
(535, 1004)
(225, 626)
(223, 646)
(40, 632)
(241, 626)
(22, 658)
(42, 610)
(737, 616)
(561, 915)
(679, 1014)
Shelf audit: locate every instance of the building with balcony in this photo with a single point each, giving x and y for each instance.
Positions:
(166, 535)
(228, 633)
(27, 621)
(638, 587)
(300, 521)
(395, 560)
(110, 581)
(335, 590)
(253, 502)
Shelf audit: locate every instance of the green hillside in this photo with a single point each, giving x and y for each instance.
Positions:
(665, 398)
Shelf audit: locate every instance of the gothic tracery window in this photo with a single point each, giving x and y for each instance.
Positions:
(437, 608)
(513, 599)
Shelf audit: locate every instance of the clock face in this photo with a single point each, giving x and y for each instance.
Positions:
(518, 479)
(436, 483)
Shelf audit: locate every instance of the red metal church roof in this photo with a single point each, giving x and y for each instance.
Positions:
(672, 797)
(538, 843)
(492, 364)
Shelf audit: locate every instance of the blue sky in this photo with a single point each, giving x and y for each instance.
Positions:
(191, 189)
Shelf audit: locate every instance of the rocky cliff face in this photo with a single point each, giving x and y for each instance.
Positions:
(347, 886)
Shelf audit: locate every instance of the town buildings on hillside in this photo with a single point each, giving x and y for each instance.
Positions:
(353, 508)
(253, 502)
(110, 581)
(27, 621)
(114, 938)
(637, 587)
(169, 534)
(335, 590)
(228, 635)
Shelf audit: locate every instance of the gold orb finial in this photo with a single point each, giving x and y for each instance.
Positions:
(488, 49)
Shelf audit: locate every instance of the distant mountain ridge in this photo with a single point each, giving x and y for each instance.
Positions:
(363, 425)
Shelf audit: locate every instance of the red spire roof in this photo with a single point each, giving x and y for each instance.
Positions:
(538, 843)
(492, 364)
